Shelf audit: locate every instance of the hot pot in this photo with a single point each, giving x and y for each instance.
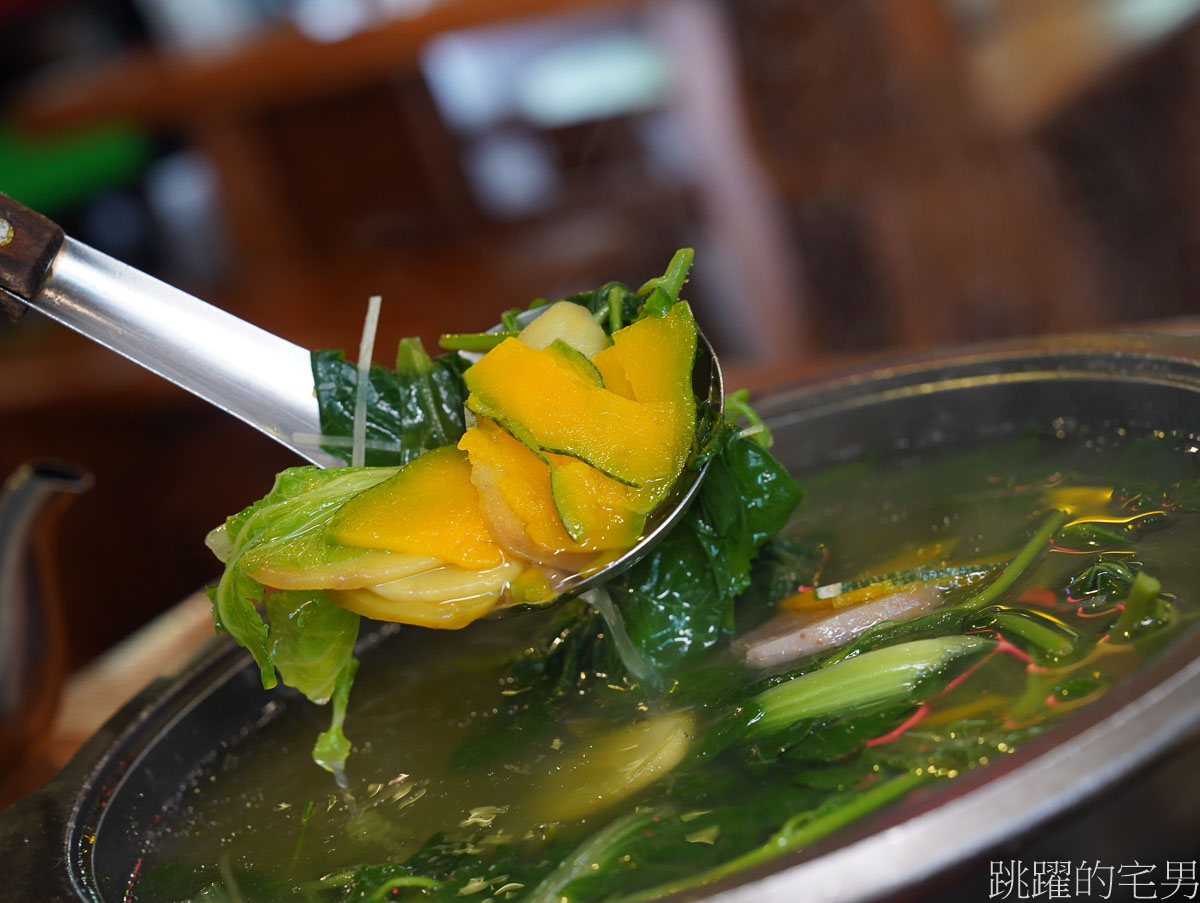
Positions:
(84, 835)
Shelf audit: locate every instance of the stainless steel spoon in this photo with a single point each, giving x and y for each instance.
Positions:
(251, 373)
(254, 375)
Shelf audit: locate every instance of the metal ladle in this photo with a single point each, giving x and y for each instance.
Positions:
(242, 369)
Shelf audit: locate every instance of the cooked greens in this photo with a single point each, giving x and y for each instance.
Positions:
(557, 775)
(674, 604)
(629, 748)
(416, 407)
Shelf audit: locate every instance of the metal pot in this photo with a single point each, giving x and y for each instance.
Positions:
(83, 835)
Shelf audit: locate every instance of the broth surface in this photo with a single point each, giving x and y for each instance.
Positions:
(459, 787)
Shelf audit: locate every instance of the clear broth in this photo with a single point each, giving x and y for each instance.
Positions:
(267, 824)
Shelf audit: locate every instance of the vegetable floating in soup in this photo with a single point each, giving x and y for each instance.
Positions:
(517, 760)
(766, 675)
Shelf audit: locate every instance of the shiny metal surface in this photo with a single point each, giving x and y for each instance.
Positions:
(251, 373)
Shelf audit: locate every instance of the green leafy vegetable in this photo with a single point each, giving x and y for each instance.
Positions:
(311, 640)
(286, 527)
(797, 832)
(1142, 610)
(885, 677)
(410, 410)
(1103, 584)
(1047, 638)
(678, 600)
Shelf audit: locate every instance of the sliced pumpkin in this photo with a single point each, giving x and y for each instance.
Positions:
(549, 407)
(595, 509)
(429, 508)
(653, 357)
(584, 368)
(516, 499)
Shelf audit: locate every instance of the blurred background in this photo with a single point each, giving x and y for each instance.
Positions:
(856, 176)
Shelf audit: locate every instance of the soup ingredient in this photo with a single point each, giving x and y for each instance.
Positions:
(428, 508)
(892, 676)
(546, 405)
(613, 766)
(795, 634)
(441, 539)
(663, 789)
(411, 409)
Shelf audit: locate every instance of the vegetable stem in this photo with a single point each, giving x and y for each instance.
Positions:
(738, 405)
(614, 309)
(889, 676)
(1139, 607)
(799, 831)
(1019, 565)
(1052, 638)
(598, 851)
(671, 282)
(332, 747)
(508, 319)
(305, 818)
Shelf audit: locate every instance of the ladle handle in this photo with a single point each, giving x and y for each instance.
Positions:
(28, 245)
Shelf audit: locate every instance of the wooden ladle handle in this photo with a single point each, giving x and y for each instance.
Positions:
(28, 245)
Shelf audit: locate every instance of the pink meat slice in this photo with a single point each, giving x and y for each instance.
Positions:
(795, 634)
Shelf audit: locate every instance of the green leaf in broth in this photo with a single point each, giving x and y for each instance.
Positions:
(780, 569)
(1048, 639)
(445, 866)
(678, 601)
(954, 747)
(813, 741)
(410, 410)
(800, 830)
(1103, 584)
(310, 641)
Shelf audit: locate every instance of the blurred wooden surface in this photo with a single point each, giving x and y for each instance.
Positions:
(280, 67)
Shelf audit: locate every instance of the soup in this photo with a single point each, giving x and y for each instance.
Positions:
(518, 759)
